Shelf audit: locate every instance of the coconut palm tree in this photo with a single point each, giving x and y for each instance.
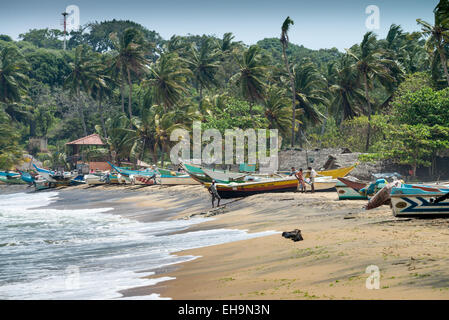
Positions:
(251, 76)
(204, 63)
(371, 63)
(13, 80)
(284, 41)
(128, 60)
(277, 110)
(310, 90)
(168, 77)
(83, 71)
(438, 33)
(348, 95)
(101, 86)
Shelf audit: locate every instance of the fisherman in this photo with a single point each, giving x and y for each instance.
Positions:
(301, 183)
(313, 175)
(293, 172)
(214, 193)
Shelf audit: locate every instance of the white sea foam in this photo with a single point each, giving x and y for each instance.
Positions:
(88, 253)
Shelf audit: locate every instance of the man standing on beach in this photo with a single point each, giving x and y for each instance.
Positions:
(301, 183)
(214, 193)
(312, 178)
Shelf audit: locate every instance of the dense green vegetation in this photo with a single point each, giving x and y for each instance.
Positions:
(387, 97)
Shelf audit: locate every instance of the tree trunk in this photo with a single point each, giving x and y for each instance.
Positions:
(130, 96)
(122, 93)
(81, 113)
(368, 134)
(292, 84)
(162, 157)
(201, 96)
(155, 154)
(32, 128)
(443, 62)
(142, 153)
(100, 111)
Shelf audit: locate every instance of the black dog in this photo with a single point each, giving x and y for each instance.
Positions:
(295, 235)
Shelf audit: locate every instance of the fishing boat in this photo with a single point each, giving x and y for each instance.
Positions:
(178, 180)
(26, 177)
(336, 173)
(42, 184)
(419, 201)
(11, 178)
(350, 190)
(235, 190)
(54, 179)
(284, 184)
(370, 190)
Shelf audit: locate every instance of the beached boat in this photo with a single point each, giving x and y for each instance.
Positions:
(54, 179)
(26, 177)
(350, 190)
(337, 173)
(16, 179)
(11, 178)
(198, 174)
(334, 173)
(370, 190)
(42, 184)
(178, 180)
(235, 190)
(416, 201)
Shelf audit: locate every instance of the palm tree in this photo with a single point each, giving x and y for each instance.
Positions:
(438, 34)
(101, 85)
(310, 90)
(284, 40)
(348, 96)
(250, 78)
(203, 63)
(129, 59)
(277, 110)
(82, 74)
(13, 79)
(226, 43)
(370, 63)
(167, 81)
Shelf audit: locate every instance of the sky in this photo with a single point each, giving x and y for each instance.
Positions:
(317, 23)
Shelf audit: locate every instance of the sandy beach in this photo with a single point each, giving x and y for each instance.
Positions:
(340, 241)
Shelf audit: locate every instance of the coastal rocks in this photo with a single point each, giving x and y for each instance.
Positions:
(295, 235)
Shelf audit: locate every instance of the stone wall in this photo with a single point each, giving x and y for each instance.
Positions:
(319, 157)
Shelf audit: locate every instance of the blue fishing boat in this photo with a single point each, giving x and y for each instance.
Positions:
(420, 200)
(26, 177)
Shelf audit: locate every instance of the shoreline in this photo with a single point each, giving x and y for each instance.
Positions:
(341, 240)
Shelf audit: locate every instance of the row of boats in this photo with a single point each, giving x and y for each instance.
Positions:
(404, 199)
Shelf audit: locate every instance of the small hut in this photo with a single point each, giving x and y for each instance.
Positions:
(80, 154)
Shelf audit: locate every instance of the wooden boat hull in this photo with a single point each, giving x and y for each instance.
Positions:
(417, 200)
(418, 205)
(347, 193)
(12, 180)
(144, 180)
(227, 191)
(177, 181)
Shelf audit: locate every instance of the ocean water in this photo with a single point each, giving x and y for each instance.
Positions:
(89, 253)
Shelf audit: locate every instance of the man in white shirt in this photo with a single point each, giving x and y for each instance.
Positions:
(313, 174)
